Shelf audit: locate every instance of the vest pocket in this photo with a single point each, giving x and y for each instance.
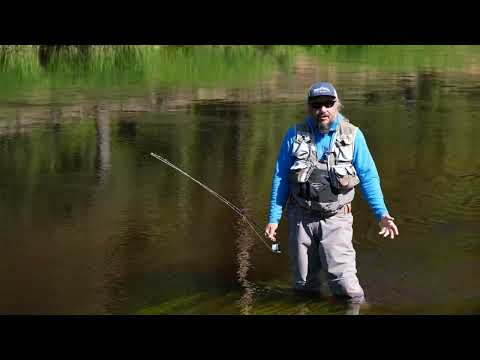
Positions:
(344, 149)
(301, 149)
(302, 168)
(301, 173)
(344, 177)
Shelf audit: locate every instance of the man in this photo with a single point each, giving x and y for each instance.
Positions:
(320, 162)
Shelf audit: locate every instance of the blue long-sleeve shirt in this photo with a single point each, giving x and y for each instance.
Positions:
(362, 161)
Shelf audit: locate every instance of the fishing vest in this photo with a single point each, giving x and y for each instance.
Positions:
(323, 186)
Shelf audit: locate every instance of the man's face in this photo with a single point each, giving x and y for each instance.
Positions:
(323, 110)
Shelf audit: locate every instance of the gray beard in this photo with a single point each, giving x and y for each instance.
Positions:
(323, 128)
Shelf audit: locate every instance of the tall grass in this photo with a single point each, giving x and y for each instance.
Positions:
(205, 66)
(106, 65)
(398, 58)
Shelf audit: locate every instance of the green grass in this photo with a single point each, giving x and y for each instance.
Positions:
(209, 66)
(111, 65)
(398, 58)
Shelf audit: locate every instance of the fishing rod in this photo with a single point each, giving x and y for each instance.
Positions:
(254, 226)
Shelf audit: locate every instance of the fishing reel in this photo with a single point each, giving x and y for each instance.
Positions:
(276, 248)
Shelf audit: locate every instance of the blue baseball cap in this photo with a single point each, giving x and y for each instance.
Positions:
(321, 89)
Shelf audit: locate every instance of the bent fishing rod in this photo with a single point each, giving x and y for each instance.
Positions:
(254, 226)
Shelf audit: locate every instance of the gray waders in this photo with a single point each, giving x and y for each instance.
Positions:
(317, 244)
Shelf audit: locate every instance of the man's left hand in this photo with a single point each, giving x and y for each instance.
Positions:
(388, 227)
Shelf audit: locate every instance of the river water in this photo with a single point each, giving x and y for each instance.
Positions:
(91, 224)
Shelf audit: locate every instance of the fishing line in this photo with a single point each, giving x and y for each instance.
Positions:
(253, 226)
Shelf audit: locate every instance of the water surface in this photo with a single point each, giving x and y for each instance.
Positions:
(91, 224)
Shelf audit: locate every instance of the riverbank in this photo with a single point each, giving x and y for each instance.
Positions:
(28, 61)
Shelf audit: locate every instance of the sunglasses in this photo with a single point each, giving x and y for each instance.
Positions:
(319, 104)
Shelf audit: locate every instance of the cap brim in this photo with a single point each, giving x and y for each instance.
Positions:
(313, 98)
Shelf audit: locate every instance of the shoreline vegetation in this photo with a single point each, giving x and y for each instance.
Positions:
(209, 65)
(171, 77)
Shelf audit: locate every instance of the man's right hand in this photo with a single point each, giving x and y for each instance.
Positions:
(271, 231)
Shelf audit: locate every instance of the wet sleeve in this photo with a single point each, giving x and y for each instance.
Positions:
(280, 185)
(368, 175)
